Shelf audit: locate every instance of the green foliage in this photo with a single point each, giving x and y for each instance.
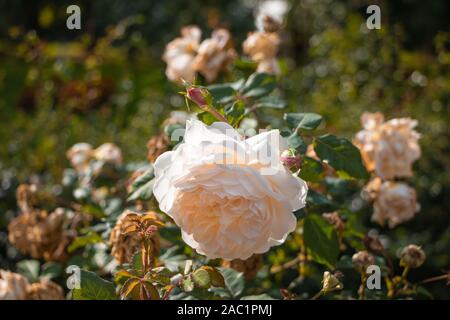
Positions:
(234, 284)
(303, 121)
(321, 240)
(92, 287)
(142, 188)
(342, 155)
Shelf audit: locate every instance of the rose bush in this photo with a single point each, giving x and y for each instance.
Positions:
(243, 193)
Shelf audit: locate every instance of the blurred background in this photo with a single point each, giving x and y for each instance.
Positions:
(106, 83)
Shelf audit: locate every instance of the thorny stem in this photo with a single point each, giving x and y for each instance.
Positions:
(216, 114)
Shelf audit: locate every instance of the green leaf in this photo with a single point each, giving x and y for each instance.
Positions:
(82, 241)
(187, 284)
(235, 113)
(122, 275)
(310, 169)
(296, 142)
(321, 240)
(51, 270)
(160, 275)
(206, 117)
(92, 287)
(141, 180)
(258, 85)
(201, 278)
(234, 281)
(94, 210)
(217, 279)
(320, 202)
(130, 289)
(142, 188)
(222, 93)
(30, 269)
(136, 262)
(303, 121)
(271, 102)
(342, 155)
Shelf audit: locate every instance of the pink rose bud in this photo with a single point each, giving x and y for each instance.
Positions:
(197, 95)
(291, 159)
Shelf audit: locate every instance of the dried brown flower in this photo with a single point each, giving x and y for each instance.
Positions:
(249, 267)
(128, 233)
(156, 146)
(40, 234)
(13, 286)
(26, 197)
(45, 290)
(335, 219)
(373, 243)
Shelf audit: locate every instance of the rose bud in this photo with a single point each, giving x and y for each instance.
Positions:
(197, 95)
(412, 256)
(291, 159)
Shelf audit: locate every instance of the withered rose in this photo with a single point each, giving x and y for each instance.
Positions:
(156, 146)
(214, 54)
(40, 234)
(231, 197)
(125, 244)
(45, 290)
(394, 203)
(180, 53)
(262, 47)
(248, 267)
(388, 148)
(13, 286)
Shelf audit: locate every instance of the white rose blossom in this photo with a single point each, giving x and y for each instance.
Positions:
(232, 197)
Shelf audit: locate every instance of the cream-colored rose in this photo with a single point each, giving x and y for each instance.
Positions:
(231, 197)
(262, 47)
(398, 149)
(395, 202)
(13, 286)
(180, 53)
(109, 153)
(388, 148)
(214, 54)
